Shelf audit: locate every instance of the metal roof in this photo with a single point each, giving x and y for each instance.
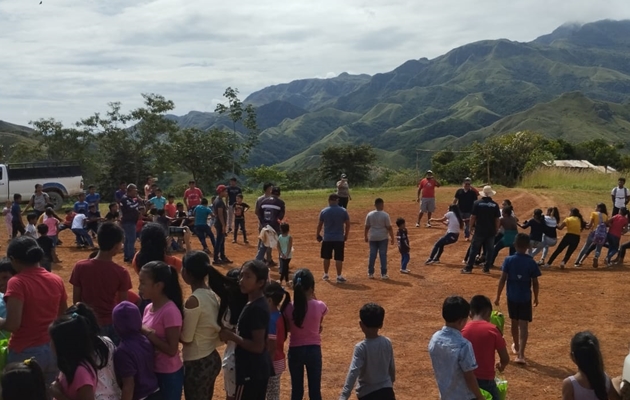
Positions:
(582, 164)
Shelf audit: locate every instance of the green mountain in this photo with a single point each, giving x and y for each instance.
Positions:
(11, 134)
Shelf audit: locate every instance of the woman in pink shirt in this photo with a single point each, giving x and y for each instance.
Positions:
(305, 316)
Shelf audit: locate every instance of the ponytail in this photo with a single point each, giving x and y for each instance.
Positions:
(303, 281)
(24, 381)
(555, 213)
(162, 272)
(588, 358)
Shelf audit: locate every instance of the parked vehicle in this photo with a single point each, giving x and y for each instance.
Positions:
(60, 180)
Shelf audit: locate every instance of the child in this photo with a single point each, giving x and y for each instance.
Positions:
(24, 381)
(509, 229)
(78, 228)
(550, 233)
(486, 339)
(170, 207)
(253, 362)
(202, 212)
(575, 225)
(52, 223)
(521, 273)
(158, 201)
(305, 316)
(537, 229)
(81, 206)
(162, 219)
(46, 243)
(285, 251)
(373, 359)
(239, 217)
(133, 358)
(93, 197)
(6, 272)
(618, 226)
(276, 295)
(17, 224)
(67, 223)
(455, 223)
(403, 245)
(452, 356)
(590, 382)
(113, 215)
(6, 211)
(599, 221)
(31, 230)
(93, 220)
(162, 324)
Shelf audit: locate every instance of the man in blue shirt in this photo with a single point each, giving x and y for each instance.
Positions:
(336, 223)
(202, 213)
(93, 197)
(81, 205)
(158, 201)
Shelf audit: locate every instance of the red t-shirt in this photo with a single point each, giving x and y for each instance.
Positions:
(428, 188)
(42, 294)
(192, 197)
(170, 210)
(617, 223)
(100, 283)
(486, 340)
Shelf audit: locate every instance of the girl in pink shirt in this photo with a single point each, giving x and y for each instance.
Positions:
(162, 324)
(305, 316)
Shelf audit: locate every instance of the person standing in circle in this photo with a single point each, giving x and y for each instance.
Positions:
(485, 223)
(377, 227)
(38, 201)
(343, 191)
(232, 191)
(336, 223)
(426, 197)
(465, 198)
(130, 211)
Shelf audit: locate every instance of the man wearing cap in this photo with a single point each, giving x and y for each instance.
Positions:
(465, 198)
(220, 224)
(343, 191)
(426, 197)
(484, 222)
(336, 223)
(129, 206)
(270, 212)
(233, 190)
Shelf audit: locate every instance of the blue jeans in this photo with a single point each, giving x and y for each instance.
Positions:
(613, 246)
(83, 237)
(380, 247)
(438, 248)
(130, 240)
(219, 246)
(203, 231)
(171, 385)
(404, 260)
(466, 218)
(44, 356)
(490, 387)
(309, 357)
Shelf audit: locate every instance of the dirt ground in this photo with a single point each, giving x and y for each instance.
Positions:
(570, 300)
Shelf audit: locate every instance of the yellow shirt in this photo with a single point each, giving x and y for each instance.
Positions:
(574, 225)
(200, 332)
(595, 219)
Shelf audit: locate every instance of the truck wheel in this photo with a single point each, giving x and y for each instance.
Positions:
(56, 199)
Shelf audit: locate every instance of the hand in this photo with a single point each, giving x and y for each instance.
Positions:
(366, 239)
(319, 237)
(146, 331)
(55, 390)
(500, 367)
(226, 335)
(418, 200)
(497, 301)
(536, 302)
(187, 235)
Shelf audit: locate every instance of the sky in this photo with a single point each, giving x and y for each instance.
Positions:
(69, 58)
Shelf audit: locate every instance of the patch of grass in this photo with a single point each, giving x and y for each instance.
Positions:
(556, 179)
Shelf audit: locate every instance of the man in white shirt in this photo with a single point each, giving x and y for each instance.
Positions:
(620, 196)
(78, 228)
(377, 227)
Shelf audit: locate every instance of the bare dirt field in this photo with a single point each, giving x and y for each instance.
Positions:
(570, 300)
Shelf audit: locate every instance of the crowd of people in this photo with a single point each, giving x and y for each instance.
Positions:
(114, 343)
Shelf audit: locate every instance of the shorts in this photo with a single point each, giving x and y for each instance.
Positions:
(329, 247)
(520, 311)
(229, 369)
(427, 205)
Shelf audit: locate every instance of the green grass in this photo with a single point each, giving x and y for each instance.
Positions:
(562, 179)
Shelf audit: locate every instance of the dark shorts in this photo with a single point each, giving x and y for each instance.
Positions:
(328, 248)
(520, 311)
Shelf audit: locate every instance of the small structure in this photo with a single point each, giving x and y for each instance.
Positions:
(579, 165)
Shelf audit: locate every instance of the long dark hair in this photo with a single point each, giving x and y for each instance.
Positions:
(162, 272)
(588, 358)
(237, 300)
(538, 216)
(276, 293)
(553, 211)
(576, 213)
(152, 244)
(601, 207)
(74, 346)
(100, 347)
(303, 281)
(455, 210)
(24, 381)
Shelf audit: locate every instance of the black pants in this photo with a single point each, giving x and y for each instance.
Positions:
(479, 241)
(622, 251)
(343, 202)
(570, 241)
(239, 223)
(284, 269)
(252, 390)
(18, 226)
(381, 394)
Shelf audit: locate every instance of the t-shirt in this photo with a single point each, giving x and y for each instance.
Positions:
(379, 224)
(167, 316)
(107, 387)
(239, 210)
(120, 193)
(16, 212)
(100, 282)
(170, 209)
(486, 340)
(403, 241)
(308, 334)
(93, 198)
(253, 366)
(343, 189)
(83, 376)
(31, 231)
(520, 270)
(51, 223)
(595, 221)
(202, 213)
(79, 221)
(620, 195)
(192, 197)
(271, 212)
(200, 333)
(81, 206)
(466, 199)
(158, 202)
(427, 188)
(486, 212)
(129, 209)
(373, 365)
(550, 228)
(574, 225)
(536, 229)
(46, 243)
(219, 209)
(112, 216)
(40, 201)
(334, 218)
(95, 217)
(617, 224)
(42, 294)
(277, 332)
(453, 223)
(232, 192)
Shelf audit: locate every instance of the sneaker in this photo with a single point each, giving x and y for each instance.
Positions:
(428, 262)
(227, 261)
(384, 277)
(545, 265)
(370, 276)
(428, 225)
(486, 270)
(466, 271)
(341, 279)
(405, 271)
(417, 225)
(326, 277)
(217, 262)
(595, 263)
(271, 263)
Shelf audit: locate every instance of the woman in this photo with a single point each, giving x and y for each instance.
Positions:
(598, 217)
(343, 191)
(38, 202)
(34, 299)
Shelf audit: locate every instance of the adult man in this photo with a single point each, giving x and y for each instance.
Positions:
(619, 196)
(267, 188)
(220, 223)
(129, 210)
(232, 192)
(426, 197)
(484, 221)
(270, 212)
(377, 227)
(465, 198)
(192, 196)
(336, 223)
(122, 190)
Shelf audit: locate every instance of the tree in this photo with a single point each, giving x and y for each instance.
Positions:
(355, 161)
(600, 152)
(258, 176)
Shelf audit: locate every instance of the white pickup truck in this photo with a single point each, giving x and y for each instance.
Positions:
(60, 179)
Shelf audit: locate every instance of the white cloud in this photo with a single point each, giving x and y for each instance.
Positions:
(69, 58)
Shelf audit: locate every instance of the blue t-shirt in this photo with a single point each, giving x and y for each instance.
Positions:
(16, 212)
(334, 219)
(202, 213)
(158, 202)
(93, 198)
(520, 270)
(81, 205)
(3, 307)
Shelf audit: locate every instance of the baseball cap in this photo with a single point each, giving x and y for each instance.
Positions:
(429, 172)
(468, 180)
(221, 188)
(343, 176)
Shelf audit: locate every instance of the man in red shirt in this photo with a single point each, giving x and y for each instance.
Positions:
(426, 197)
(100, 282)
(486, 339)
(192, 196)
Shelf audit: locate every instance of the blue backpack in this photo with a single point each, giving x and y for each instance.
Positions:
(601, 232)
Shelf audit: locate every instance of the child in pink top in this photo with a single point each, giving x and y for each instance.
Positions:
(162, 324)
(52, 223)
(305, 316)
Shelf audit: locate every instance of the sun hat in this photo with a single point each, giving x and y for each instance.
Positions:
(467, 180)
(488, 192)
(429, 172)
(221, 188)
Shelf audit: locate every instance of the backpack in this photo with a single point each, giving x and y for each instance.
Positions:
(625, 191)
(601, 232)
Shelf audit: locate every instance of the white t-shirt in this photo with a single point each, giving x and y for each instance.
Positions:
(31, 231)
(78, 221)
(453, 222)
(379, 224)
(620, 196)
